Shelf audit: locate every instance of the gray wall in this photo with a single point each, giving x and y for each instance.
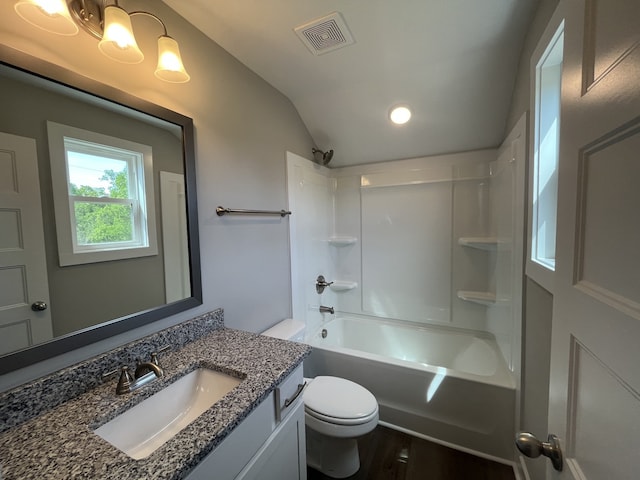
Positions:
(243, 128)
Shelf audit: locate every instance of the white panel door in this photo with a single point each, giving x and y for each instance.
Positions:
(595, 362)
(23, 270)
(177, 280)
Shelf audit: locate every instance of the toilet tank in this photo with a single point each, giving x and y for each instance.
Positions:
(288, 329)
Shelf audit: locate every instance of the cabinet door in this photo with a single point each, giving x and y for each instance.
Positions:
(237, 450)
(283, 457)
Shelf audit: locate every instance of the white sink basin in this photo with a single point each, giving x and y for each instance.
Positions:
(141, 430)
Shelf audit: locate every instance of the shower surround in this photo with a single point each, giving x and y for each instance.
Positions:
(429, 243)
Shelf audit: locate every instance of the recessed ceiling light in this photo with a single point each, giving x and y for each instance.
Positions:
(400, 114)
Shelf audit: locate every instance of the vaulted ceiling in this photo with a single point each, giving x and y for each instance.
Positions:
(453, 62)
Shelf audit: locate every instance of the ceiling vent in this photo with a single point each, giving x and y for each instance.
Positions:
(325, 34)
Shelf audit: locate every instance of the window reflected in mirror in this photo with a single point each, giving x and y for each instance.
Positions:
(103, 193)
(83, 259)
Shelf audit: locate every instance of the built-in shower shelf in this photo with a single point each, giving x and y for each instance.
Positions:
(341, 286)
(483, 298)
(483, 243)
(342, 240)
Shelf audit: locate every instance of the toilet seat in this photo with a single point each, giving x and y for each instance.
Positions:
(341, 421)
(339, 401)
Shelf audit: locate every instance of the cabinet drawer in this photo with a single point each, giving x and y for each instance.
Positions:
(288, 393)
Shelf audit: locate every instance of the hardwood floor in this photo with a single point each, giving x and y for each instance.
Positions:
(387, 454)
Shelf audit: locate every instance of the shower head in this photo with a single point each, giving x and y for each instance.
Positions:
(323, 158)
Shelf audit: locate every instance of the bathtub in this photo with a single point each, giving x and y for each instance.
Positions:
(447, 385)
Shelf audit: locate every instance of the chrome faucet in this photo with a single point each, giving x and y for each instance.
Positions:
(145, 373)
(324, 309)
(145, 368)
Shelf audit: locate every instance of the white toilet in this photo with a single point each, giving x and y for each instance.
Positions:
(337, 411)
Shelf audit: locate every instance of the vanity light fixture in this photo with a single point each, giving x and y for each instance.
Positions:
(400, 114)
(111, 24)
(50, 15)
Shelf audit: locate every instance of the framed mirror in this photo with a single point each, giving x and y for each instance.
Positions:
(68, 149)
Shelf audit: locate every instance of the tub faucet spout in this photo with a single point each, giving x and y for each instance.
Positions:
(324, 309)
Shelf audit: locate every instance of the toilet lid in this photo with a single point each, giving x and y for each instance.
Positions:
(339, 398)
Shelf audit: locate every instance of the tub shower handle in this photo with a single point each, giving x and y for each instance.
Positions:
(324, 309)
(321, 284)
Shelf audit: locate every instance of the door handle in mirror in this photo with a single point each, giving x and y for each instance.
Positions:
(39, 306)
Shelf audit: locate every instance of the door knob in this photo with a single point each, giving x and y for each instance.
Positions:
(39, 306)
(531, 447)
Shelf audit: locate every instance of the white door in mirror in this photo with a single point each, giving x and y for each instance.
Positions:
(25, 318)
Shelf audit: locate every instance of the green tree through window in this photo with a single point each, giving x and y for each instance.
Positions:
(103, 222)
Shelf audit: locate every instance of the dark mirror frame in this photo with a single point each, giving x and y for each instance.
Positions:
(48, 71)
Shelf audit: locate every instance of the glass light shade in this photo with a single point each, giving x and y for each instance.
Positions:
(400, 115)
(170, 67)
(118, 42)
(50, 15)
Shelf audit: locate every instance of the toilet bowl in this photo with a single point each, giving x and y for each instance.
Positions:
(337, 411)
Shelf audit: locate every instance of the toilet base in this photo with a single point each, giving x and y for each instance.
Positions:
(334, 457)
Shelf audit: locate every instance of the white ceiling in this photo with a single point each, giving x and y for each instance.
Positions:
(453, 61)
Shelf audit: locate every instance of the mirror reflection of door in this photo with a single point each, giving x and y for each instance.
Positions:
(23, 271)
(177, 282)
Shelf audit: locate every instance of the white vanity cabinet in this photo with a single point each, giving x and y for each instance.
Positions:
(268, 445)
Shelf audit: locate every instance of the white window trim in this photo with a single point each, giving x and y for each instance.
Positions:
(68, 252)
(133, 159)
(539, 272)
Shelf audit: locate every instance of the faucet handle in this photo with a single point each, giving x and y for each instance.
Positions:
(154, 359)
(321, 284)
(125, 381)
(154, 355)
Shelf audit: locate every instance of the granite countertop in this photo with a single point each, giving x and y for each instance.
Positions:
(60, 443)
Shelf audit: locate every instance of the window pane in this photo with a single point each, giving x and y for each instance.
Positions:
(95, 176)
(545, 190)
(98, 223)
(103, 194)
